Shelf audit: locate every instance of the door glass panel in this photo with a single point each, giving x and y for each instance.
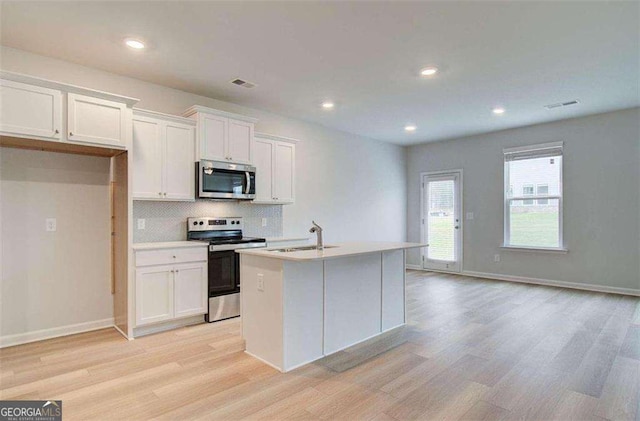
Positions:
(223, 181)
(441, 220)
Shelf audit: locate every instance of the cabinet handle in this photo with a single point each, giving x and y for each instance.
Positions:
(70, 133)
(174, 257)
(165, 194)
(159, 193)
(57, 131)
(172, 271)
(177, 271)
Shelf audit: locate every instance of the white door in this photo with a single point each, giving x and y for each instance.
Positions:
(190, 289)
(154, 294)
(179, 169)
(213, 137)
(147, 158)
(263, 155)
(95, 120)
(240, 137)
(283, 180)
(30, 110)
(441, 220)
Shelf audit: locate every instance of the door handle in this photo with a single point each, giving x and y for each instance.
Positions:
(456, 227)
(248, 182)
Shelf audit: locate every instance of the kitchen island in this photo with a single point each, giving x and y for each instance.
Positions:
(299, 306)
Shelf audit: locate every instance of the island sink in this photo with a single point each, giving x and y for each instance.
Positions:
(303, 248)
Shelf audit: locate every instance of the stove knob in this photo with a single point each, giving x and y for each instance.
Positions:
(201, 223)
(195, 222)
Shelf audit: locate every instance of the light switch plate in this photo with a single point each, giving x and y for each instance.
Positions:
(141, 223)
(496, 258)
(51, 224)
(469, 216)
(264, 222)
(260, 282)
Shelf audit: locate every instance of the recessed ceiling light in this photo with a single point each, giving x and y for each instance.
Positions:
(327, 105)
(410, 128)
(429, 71)
(498, 110)
(134, 43)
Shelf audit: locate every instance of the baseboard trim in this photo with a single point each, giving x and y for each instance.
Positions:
(413, 267)
(115, 326)
(553, 283)
(172, 324)
(40, 335)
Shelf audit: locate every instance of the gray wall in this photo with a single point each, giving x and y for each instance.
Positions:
(61, 278)
(601, 199)
(348, 184)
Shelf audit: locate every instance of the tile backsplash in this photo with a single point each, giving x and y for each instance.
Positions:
(167, 221)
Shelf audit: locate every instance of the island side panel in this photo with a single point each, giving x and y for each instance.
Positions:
(262, 309)
(303, 312)
(353, 304)
(393, 296)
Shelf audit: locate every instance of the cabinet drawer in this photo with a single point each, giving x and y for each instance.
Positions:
(170, 256)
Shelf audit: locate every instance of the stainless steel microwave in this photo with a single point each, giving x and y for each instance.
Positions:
(224, 180)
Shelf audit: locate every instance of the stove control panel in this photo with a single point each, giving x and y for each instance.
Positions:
(214, 223)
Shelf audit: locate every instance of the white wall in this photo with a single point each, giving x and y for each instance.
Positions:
(354, 187)
(601, 199)
(53, 279)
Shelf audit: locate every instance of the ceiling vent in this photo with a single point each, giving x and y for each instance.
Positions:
(243, 83)
(561, 104)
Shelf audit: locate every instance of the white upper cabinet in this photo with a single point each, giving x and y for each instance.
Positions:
(163, 157)
(32, 111)
(275, 161)
(96, 121)
(34, 108)
(240, 140)
(222, 136)
(263, 157)
(212, 131)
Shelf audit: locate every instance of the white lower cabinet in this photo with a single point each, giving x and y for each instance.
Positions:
(189, 295)
(166, 290)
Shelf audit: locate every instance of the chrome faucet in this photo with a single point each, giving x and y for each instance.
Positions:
(318, 230)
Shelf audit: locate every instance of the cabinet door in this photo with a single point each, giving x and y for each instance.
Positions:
(179, 162)
(283, 179)
(190, 289)
(240, 140)
(30, 110)
(96, 121)
(212, 137)
(154, 294)
(147, 158)
(263, 155)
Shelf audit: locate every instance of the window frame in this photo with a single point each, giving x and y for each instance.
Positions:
(507, 200)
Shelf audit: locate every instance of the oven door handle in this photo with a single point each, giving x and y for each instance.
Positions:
(248, 182)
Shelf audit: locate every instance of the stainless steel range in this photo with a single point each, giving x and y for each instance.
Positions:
(224, 236)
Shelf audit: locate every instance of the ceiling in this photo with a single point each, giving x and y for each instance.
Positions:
(364, 56)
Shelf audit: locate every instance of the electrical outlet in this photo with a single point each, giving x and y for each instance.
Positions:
(141, 223)
(260, 282)
(51, 224)
(496, 258)
(264, 222)
(469, 216)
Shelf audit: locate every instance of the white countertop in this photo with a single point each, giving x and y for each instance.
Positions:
(169, 245)
(340, 250)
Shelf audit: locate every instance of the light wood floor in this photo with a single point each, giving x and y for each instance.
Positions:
(476, 350)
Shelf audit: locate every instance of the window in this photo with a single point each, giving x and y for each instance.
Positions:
(533, 197)
(543, 190)
(527, 190)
